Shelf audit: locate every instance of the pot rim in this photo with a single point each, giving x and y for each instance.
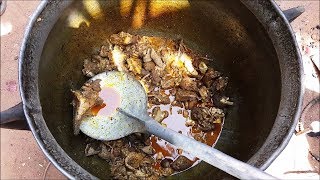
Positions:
(30, 110)
(33, 112)
(295, 87)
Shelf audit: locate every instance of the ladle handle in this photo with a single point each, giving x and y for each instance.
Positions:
(206, 153)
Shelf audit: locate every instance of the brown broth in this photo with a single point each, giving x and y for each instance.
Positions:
(95, 110)
(176, 122)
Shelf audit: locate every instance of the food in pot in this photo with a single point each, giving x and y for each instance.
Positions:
(84, 100)
(184, 94)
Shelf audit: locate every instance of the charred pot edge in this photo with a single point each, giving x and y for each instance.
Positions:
(29, 92)
(292, 77)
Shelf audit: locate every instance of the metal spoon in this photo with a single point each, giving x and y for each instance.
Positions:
(131, 116)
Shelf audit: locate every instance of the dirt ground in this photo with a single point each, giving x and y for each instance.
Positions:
(21, 158)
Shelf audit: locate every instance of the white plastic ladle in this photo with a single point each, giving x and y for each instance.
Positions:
(131, 116)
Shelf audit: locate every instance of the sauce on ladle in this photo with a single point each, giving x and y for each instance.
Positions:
(111, 101)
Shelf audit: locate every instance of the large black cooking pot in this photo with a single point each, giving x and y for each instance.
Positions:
(249, 40)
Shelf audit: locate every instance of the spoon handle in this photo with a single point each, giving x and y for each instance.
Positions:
(206, 153)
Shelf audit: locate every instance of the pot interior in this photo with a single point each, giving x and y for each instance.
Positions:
(224, 31)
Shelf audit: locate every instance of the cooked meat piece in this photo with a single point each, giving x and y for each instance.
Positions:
(149, 66)
(84, 99)
(188, 84)
(188, 64)
(177, 103)
(206, 117)
(184, 95)
(189, 122)
(156, 58)
(96, 65)
(165, 163)
(89, 68)
(116, 151)
(148, 150)
(118, 58)
(140, 175)
(136, 141)
(144, 72)
(159, 98)
(156, 76)
(210, 76)
(131, 51)
(105, 153)
(221, 83)
(225, 100)
(172, 91)
(118, 143)
(104, 51)
(92, 149)
(119, 172)
(159, 115)
(181, 163)
(167, 171)
(159, 156)
(203, 91)
(146, 83)
(133, 160)
(146, 168)
(221, 101)
(166, 55)
(207, 104)
(123, 38)
(190, 104)
(134, 65)
(168, 82)
(199, 137)
(185, 113)
(203, 67)
(147, 141)
(125, 151)
(147, 161)
(147, 55)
